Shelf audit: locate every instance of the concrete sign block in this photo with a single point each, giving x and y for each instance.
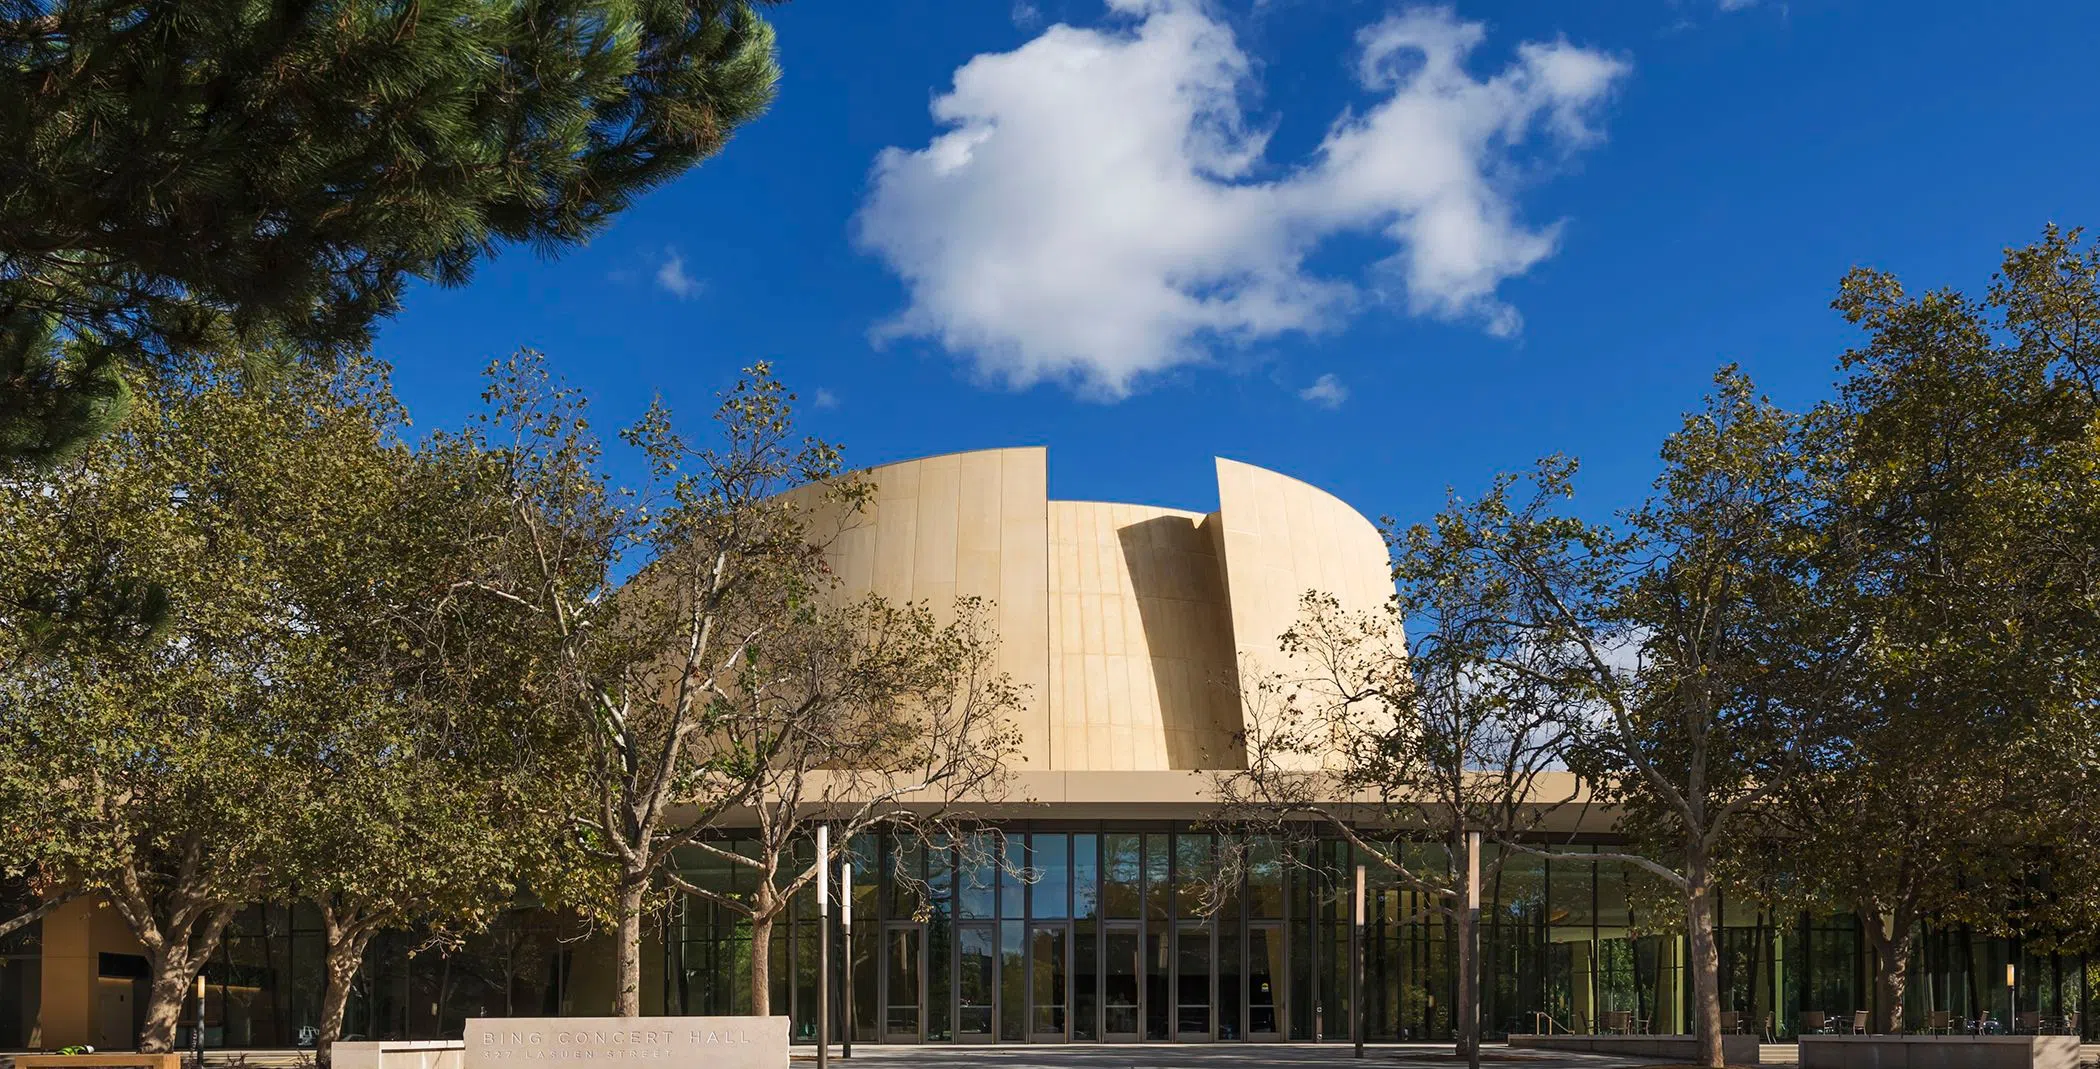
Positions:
(626, 1043)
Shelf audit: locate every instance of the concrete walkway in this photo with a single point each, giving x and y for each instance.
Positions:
(1220, 1056)
(1146, 1056)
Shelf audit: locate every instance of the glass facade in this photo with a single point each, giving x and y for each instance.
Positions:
(263, 988)
(1114, 931)
(21, 983)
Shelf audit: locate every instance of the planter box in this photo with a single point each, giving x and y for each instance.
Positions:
(1737, 1050)
(1939, 1052)
(399, 1054)
(98, 1061)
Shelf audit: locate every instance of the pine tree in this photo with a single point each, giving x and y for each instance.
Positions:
(212, 178)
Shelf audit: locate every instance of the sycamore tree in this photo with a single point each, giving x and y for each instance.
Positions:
(154, 759)
(649, 609)
(395, 829)
(218, 179)
(417, 793)
(878, 718)
(1960, 535)
(1712, 685)
(1668, 641)
(1433, 712)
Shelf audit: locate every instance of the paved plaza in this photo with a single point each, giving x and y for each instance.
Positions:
(1239, 1055)
(1149, 1056)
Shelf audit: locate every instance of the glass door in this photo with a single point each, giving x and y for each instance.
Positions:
(1121, 974)
(1048, 984)
(977, 948)
(1265, 973)
(903, 983)
(1192, 988)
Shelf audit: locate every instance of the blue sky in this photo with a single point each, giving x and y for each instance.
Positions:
(1383, 248)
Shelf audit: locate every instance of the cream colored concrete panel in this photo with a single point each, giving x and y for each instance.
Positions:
(965, 525)
(934, 550)
(1098, 696)
(1124, 622)
(1143, 586)
(1023, 585)
(977, 520)
(896, 530)
(1091, 631)
(1282, 538)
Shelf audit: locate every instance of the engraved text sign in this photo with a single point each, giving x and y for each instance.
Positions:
(617, 1042)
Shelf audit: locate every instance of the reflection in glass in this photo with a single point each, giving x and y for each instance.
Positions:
(1264, 879)
(1086, 969)
(1013, 980)
(1192, 980)
(1119, 989)
(1120, 874)
(939, 936)
(1156, 877)
(1052, 893)
(861, 973)
(1013, 882)
(1046, 964)
(975, 882)
(906, 872)
(1230, 1000)
(1194, 869)
(1264, 979)
(1159, 996)
(973, 981)
(940, 876)
(1086, 872)
(902, 966)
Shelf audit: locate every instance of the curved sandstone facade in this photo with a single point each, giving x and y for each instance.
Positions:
(1127, 623)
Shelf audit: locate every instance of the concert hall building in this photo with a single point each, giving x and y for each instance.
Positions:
(1127, 623)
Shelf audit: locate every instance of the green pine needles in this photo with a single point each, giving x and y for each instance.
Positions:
(219, 178)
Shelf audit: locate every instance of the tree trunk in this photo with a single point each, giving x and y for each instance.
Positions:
(346, 952)
(173, 974)
(1705, 961)
(762, 965)
(627, 961)
(1890, 940)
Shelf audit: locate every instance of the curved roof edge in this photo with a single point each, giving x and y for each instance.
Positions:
(1225, 464)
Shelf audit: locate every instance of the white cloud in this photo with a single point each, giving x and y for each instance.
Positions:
(672, 277)
(824, 399)
(1097, 207)
(1326, 391)
(1026, 15)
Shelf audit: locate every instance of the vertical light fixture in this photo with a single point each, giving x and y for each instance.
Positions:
(197, 1029)
(1472, 978)
(823, 945)
(1356, 969)
(2012, 999)
(846, 964)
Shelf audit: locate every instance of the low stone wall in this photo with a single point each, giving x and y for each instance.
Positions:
(1737, 1050)
(399, 1054)
(98, 1061)
(1939, 1052)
